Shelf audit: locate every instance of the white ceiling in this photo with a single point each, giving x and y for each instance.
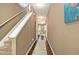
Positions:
(41, 9)
(23, 5)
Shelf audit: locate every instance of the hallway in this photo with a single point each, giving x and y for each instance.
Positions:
(40, 49)
(38, 29)
(25, 30)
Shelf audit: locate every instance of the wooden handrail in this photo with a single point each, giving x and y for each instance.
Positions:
(1, 25)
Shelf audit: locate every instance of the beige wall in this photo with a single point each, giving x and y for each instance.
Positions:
(24, 39)
(7, 11)
(64, 38)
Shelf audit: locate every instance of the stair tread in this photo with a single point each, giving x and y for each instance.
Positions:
(5, 52)
(5, 49)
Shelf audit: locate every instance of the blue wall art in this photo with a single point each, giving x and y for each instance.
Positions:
(70, 13)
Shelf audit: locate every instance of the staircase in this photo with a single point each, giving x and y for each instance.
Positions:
(6, 49)
(6, 42)
(6, 45)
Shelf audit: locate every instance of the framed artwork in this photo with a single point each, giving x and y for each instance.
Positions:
(71, 12)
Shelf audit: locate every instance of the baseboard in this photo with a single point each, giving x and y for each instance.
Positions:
(30, 47)
(51, 47)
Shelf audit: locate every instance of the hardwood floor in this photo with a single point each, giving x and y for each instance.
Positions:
(49, 52)
(31, 51)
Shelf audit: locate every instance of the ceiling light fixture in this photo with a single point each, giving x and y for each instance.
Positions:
(23, 4)
(40, 5)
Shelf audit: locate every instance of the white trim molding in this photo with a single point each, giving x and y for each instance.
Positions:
(18, 28)
(7, 36)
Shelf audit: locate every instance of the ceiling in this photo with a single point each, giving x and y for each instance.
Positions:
(40, 9)
(23, 5)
